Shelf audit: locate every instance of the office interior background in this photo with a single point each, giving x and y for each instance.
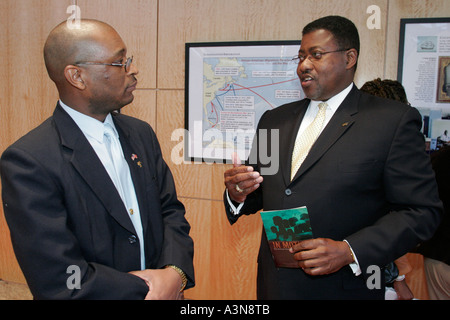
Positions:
(155, 32)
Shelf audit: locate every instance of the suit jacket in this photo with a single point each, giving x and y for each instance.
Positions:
(367, 179)
(63, 210)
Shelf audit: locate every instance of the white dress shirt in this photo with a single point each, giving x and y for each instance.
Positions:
(94, 131)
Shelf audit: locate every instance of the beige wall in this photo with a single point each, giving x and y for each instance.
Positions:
(155, 33)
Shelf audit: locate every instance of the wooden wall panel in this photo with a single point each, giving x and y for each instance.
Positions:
(136, 22)
(28, 95)
(29, 90)
(224, 256)
(248, 20)
(143, 106)
(416, 279)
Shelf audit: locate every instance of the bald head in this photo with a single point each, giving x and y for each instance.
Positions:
(88, 66)
(65, 46)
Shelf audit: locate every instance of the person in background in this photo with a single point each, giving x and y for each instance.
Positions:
(371, 198)
(387, 88)
(89, 201)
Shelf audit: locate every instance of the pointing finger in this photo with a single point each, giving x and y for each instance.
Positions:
(236, 159)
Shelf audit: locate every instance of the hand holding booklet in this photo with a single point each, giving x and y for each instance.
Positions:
(285, 228)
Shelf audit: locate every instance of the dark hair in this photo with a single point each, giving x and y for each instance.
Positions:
(344, 31)
(390, 89)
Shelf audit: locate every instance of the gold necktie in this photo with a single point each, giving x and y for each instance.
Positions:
(304, 141)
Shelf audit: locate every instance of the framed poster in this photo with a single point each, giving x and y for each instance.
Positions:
(229, 85)
(424, 71)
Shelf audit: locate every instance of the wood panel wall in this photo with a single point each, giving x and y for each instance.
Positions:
(155, 32)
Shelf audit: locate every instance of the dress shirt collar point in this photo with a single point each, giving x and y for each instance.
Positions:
(88, 125)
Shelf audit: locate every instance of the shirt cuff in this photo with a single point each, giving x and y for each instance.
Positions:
(354, 265)
(234, 210)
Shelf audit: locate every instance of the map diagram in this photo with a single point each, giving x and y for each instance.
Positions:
(237, 91)
(229, 87)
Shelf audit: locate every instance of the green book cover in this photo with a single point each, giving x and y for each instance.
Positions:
(285, 228)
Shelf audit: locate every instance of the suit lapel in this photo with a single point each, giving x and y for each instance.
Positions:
(134, 156)
(290, 130)
(341, 121)
(88, 165)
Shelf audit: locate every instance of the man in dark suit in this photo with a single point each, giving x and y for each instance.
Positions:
(85, 224)
(366, 181)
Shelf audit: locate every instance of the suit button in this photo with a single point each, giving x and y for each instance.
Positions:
(132, 239)
(288, 192)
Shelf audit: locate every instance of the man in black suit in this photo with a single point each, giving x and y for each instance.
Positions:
(94, 214)
(366, 181)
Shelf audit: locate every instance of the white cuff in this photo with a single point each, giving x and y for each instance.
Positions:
(354, 265)
(400, 278)
(234, 210)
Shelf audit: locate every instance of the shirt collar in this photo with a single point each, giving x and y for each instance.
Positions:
(89, 126)
(335, 101)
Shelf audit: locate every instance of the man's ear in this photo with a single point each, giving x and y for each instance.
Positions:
(74, 76)
(352, 58)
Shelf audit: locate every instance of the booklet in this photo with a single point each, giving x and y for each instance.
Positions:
(285, 228)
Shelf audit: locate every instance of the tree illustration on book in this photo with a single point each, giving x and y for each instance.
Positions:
(284, 228)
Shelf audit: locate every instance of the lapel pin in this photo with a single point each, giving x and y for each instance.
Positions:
(345, 124)
(134, 157)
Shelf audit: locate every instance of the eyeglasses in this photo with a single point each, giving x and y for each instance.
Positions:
(314, 56)
(126, 65)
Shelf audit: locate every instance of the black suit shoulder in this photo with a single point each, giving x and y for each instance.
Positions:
(39, 140)
(387, 114)
(379, 104)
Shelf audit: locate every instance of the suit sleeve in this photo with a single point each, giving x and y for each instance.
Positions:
(44, 243)
(411, 191)
(178, 247)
